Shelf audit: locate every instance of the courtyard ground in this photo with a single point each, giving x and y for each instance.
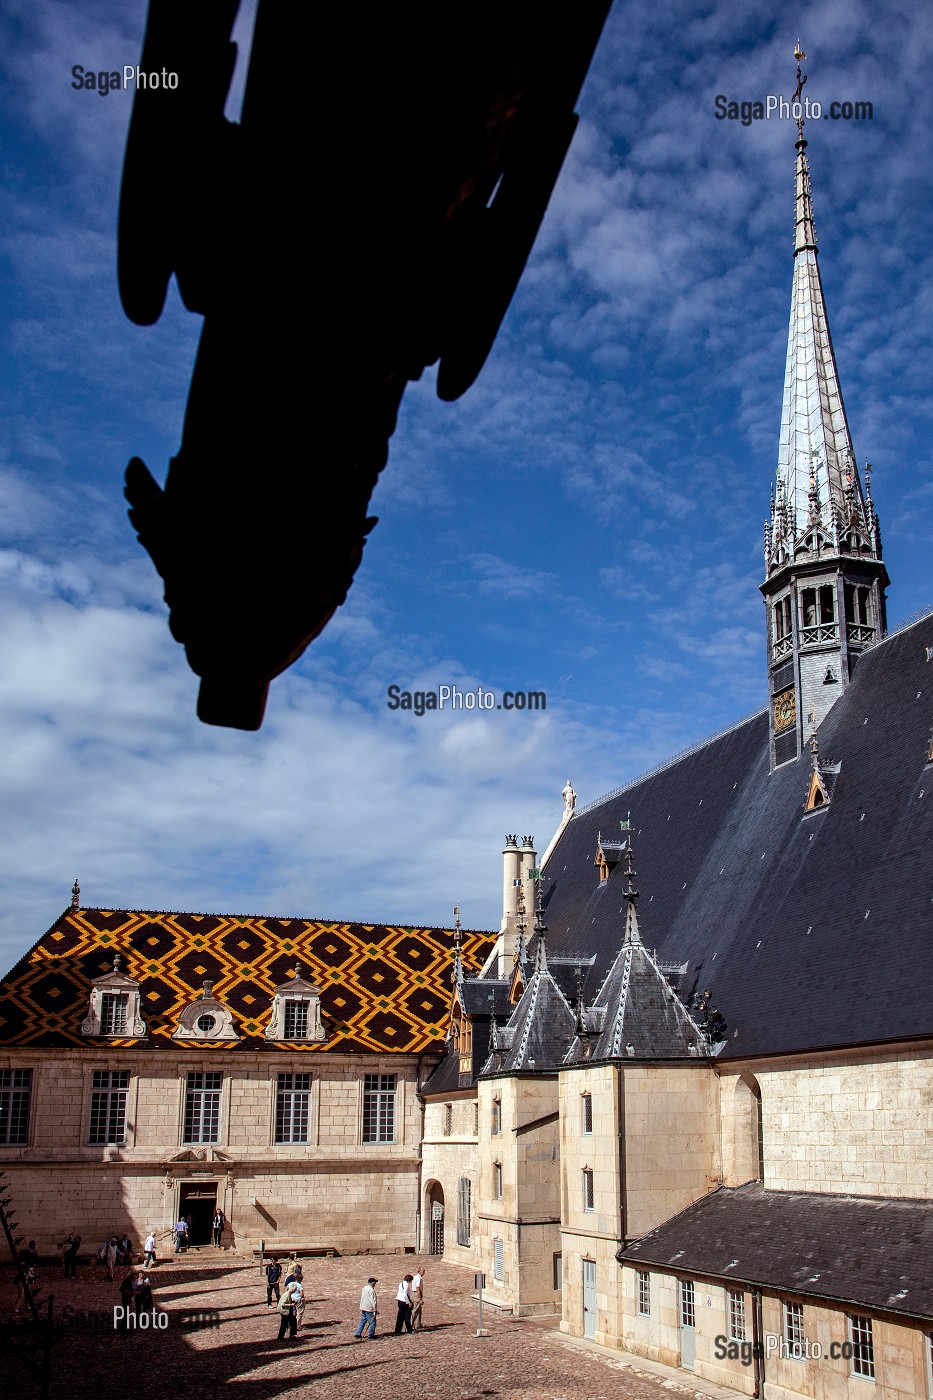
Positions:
(241, 1357)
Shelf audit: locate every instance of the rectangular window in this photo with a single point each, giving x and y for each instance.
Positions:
(379, 1108)
(793, 1329)
(296, 1020)
(827, 603)
(113, 1013)
(736, 1315)
(476, 1120)
(292, 1105)
(496, 1117)
(109, 1089)
(15, 1089)
(588, 1198)
(202, 1106)
(863, 1347)
(497, 1180)
(644, 1293)
(448, 1119)
(498, 1260)
(464, 1191)
(558, 1272)
(688, 1314)
(587, 1100)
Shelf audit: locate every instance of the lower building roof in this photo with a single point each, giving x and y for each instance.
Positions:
(865, 1251)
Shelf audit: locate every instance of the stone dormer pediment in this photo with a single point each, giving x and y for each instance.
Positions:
(296, 1012)
(206, 1019)
(113, 1006)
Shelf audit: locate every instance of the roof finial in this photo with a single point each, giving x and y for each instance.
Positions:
(541, 935)
(630, 894)
(117, 959)
(76, 895)
(457, 970)
(299, 971)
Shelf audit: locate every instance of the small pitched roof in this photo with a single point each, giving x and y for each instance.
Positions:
(541, 1026)
(875, 1253)
(383, 987)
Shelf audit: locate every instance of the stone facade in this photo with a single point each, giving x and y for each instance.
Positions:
(333, 1190)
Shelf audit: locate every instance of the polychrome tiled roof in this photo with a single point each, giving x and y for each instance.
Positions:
(383, 988)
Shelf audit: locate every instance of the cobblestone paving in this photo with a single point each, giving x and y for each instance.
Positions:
(241, 1357)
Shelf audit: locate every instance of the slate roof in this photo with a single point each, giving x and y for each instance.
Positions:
(811, 931)
(382, 987)
(877, 1254)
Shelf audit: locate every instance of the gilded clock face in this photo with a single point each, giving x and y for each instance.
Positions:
(785, 710)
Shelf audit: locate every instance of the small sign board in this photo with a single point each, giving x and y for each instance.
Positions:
(479, 1281)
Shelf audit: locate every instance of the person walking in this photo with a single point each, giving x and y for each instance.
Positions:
(403, 1298)
(287, 1310)
(369, 1311)
(273, 1273)
(181, 1234)
(217, 1228)
(296, 1275)
(150, 1248)
(416, 1291)
(110, 1256)
(70, 1257)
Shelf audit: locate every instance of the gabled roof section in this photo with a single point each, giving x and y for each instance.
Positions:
(875, 1253)
(541, 1026)
(780, 916)
(383, 987)
(638, 1013)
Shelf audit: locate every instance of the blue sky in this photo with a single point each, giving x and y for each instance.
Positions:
(586, 521)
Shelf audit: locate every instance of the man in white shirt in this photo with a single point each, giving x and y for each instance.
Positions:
(150, 1248)
(416, 1290)
(403, 1298)
(368, 1311)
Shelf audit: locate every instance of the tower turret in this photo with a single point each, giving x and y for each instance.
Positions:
(825, 577)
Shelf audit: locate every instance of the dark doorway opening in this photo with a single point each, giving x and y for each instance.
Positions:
(199, 1200)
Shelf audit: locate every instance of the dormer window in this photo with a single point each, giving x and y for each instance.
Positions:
(296, 1019)
(113, 1006)
(206, 1018)
(296, 1011)
(114, 1010)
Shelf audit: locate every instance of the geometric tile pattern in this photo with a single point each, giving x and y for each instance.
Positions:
(382, 988)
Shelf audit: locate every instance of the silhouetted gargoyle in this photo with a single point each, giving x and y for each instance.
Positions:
(370, 215)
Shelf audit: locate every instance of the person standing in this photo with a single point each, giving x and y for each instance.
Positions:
(273, 1274)
(181, 1234)
(287, 1310)
(416, 1291)
(369, 1310)
(217, 1228)
(403, 1298)
(150, 1248)
(110, 1256)
(70, 1257)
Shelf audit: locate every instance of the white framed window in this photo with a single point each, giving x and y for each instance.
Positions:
(863, 1347)
(736, 1315)
(448, 1119)
(498, 1260)
(292, 1107)
(202, 1106)
(644, 1293)
(379, 1108)
(109, 1089)
(496, 1117)
(588, 1194)
(114, 1013)
(497, 1180)
(15, 1093)
(586, 1116)
(296, 1019)
(793, 1329)
(464, 1192)
(688, 1311)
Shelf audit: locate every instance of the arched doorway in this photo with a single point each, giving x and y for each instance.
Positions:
(434, 1212)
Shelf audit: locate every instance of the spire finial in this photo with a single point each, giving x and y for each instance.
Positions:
(76, 895)
(457, 970)
(541, 936)
(630, 895)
